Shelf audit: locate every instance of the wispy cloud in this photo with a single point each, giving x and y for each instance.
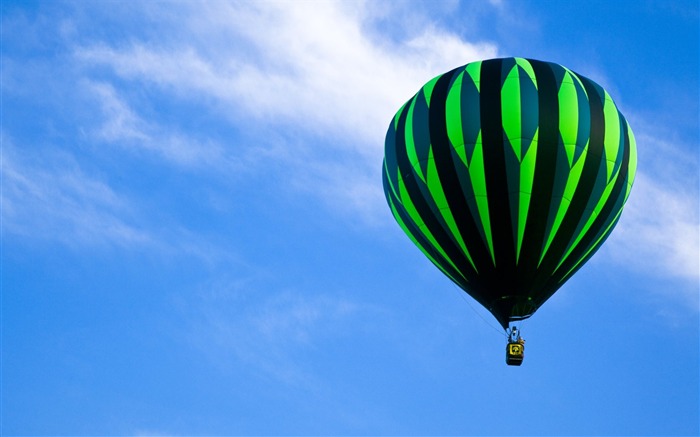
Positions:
(54, 199)
(316, 79)
(294, 67)
(659, 233)
(270, 335)
(46, 195)
(320, 67)
(121, 124)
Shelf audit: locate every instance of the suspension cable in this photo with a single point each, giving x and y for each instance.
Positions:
(462, 294)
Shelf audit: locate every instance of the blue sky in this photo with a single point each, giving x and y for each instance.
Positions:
(195, 239)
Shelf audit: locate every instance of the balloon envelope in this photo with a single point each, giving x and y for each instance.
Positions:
(508, 174)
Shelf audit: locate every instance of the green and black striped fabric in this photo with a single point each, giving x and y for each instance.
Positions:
(509, 174)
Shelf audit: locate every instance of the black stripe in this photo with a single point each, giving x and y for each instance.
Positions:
(545, 170)
(422, 206)
(496, 175)
(424, 243)
(607, 213)
(456, 198)
(581, 196)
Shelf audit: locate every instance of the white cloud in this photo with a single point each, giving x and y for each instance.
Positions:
(122, 125)
(302, 62)
(272, 335)
(47, 195)
(347, 189)
(313, 67)
(55, 200)
(288, 70)
(659, 232)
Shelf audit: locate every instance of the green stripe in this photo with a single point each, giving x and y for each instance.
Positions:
(416, 218)
(568, 115)
(583, 122)
(411, 144)
(428, 88)
(453, 114)
(525, 65)
(423, 249)
(527, 178)
(400, 221)
(599, 206)
(594, 246)
(632, 165)
(388, 179)
(474, 71)
(398, 113)
(477, 175)
(572, 182)
(577, 79)
(633, 155)
(438, 196)
(612, 134)
(511, 111)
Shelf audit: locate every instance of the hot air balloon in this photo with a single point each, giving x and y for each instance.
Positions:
(509, 174)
